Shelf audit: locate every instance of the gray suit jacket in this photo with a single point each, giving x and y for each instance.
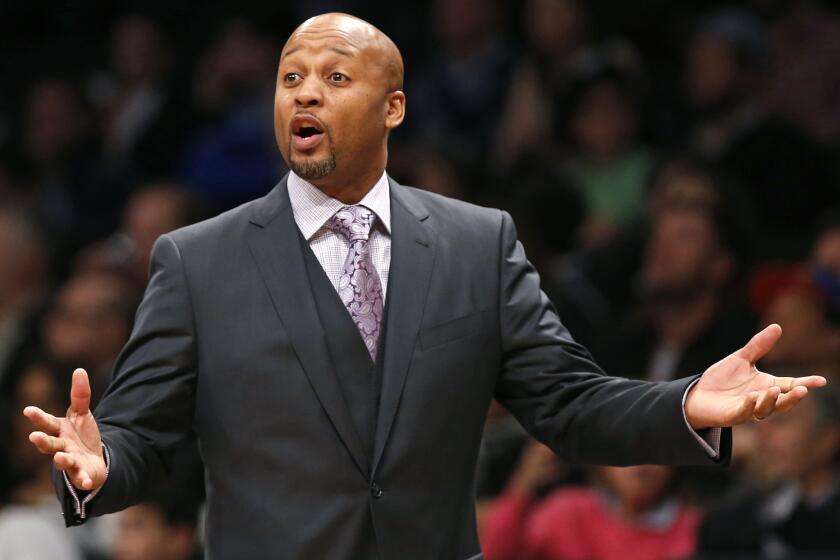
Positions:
(227, 340)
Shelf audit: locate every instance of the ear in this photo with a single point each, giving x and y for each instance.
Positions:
(395, 110)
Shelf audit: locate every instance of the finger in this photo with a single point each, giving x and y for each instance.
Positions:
(83, 480)
(80, 392)
(761, 343)
(747, 407)
(767, 402)
(42, 420)
(46, 444)
(788, 400)
(64, 461)
(809, 382)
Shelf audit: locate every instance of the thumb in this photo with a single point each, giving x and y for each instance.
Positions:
(761, 343)
(80, 392)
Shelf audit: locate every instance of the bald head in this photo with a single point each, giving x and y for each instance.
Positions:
(339, 95)
(363, 38)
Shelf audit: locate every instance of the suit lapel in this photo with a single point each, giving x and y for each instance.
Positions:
(276, 248)
(412, 260)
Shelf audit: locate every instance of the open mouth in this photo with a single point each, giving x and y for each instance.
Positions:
(307, 132)
(306, 126)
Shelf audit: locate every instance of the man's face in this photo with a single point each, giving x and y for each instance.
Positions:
(808, 336)
(793, 444)
(142, 532)
(82, 326)
(331, 104)
(639, 487)
(682, 253)
(711, 71)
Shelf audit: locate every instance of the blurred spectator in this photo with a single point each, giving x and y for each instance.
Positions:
(30, 522)
(24, 287)
(556, 34)
(549, 209)
(154, 209)
(632, 512)
(427, 166)
(688, 315)
(133, 95)
(811, 341)
(782, 170)
(502, 444)
(164, 526)
(799, 516)
(608, 164)
(135, 101)
(805, 299)
(234, 158)
(457, 97)
(16, 182)
(824, 263)
(88, 323)
(75, 199)
(805, 83)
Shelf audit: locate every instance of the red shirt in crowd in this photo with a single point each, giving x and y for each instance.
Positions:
(580, 523)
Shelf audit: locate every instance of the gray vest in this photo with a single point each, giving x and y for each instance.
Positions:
(359, 379)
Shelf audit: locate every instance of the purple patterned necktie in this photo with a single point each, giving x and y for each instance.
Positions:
(359, 286)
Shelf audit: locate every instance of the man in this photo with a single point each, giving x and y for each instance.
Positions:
(24, 277)
(89, 322)
(319, 442)
(153, 209)
(799, 516)
(726, 79)
(686, 317)
(164, 525)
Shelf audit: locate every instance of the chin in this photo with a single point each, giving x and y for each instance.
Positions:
(311, 168)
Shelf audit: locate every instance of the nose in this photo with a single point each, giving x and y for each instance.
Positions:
(308, 94)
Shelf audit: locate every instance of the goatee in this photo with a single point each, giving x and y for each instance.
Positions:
(313, 169)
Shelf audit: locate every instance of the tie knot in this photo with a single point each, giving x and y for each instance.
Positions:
(352, 222)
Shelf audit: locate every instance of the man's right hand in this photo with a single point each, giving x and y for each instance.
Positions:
(74, 440)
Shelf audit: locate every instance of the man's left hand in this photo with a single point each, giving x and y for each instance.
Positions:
(733, 391)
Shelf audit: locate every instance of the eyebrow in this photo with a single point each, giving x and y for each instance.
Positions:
(338, 50)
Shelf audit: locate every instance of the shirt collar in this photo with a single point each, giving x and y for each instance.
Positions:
(312, 207)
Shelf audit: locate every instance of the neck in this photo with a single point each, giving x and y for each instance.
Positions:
(634, 511)
(679, 323)
(352, 189)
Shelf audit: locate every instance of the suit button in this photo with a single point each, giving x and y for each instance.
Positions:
(375, 490)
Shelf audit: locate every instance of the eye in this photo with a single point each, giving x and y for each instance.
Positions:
(338, 77)
(291, 78)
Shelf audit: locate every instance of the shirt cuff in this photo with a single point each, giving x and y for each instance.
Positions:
(81, 502)
(709, 439)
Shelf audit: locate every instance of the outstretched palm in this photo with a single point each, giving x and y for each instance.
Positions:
(733, 391)
(74, 440)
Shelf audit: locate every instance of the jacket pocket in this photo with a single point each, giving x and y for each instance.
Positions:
(450, 331)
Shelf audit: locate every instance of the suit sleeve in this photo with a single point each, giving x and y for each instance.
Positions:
(562, 398)
(148, 407)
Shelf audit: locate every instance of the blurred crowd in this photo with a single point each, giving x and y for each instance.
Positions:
(672, 168)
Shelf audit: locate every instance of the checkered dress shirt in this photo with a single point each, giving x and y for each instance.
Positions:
(312, 208)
